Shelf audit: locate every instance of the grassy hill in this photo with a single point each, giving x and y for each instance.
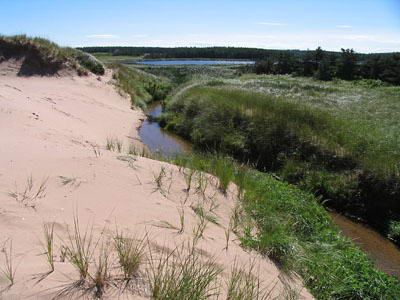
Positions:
(337, 139)
(43, 57)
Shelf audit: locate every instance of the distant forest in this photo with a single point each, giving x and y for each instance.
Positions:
(323, 65)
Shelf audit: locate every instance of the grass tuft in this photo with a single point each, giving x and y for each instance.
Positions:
(131, 254)
(48, 244)
(9, 269)
(80, 248)
(182, 275)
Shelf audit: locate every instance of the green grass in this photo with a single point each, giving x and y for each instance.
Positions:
(44, 57)
(80, 248)
(242, 284)
(290, 227)
(8, 269)
(131, 254)
(48, 244)
(338, 139)
(182, 74)
(142, 87)
(182, 275)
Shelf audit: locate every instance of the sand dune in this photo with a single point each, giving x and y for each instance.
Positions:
(53, 130)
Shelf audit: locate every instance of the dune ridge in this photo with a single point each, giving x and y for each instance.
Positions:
(55, 166)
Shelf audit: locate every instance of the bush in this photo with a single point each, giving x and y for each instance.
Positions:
(349, 162)
(142, 87)
(291, 228)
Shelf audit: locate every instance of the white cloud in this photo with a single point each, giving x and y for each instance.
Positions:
(343, 26)
(101, 36)
(271, 24)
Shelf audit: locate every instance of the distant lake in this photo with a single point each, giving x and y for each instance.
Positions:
(193, 62)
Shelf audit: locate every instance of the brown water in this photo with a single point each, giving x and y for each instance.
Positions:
(384, 254)
(159, 140)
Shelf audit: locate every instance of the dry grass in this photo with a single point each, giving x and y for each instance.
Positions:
(30, 193)
(9, 269)
(242, 284)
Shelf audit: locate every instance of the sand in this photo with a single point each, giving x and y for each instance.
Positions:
(53, 133)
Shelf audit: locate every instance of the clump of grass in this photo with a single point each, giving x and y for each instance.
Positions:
(198, 230)
(159, 180)
(199, 210)
(131, 254)
(48, 244)
(114, 144)
(224, 173)
(227, 232)
(72, 181)
(80, 248)
(168, 225)
(242, 284)
(202, 180)
(30, 194)
(182, 275)
(9, 269)
(101, 278)
(181, 213)
(188, 175)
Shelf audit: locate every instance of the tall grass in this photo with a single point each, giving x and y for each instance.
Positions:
(140, 86)
(337, 140)
(48, 244)
(242, 284)
(131, 254)
(290, 227)
(183, 274)
(9, 269)
(80, 248)
(45, 57)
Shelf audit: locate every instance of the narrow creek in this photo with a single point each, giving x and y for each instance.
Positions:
(384, 254)
(159, 140)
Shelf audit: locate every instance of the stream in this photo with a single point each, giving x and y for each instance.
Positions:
(159, 140)
(384, 254)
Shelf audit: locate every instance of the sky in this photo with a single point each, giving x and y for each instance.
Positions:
(364, 25)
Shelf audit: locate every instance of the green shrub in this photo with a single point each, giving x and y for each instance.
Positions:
(140, 86)
(293, 229)
(340, 152)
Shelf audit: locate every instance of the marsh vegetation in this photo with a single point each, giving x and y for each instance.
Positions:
(338, 140)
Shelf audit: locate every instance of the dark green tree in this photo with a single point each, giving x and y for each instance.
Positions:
(346, 68)
(324, 71)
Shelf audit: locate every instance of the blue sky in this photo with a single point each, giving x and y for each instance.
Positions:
(365, 25)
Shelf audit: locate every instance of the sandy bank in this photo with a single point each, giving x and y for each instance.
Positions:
(54, 131)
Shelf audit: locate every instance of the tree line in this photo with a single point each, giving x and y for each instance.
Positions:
(323, 65)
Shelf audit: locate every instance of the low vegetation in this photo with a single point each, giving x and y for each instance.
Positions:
(142, 87)
(115, 262)
(338, 140)
(43, 57)
(291, 228)
(8, 268)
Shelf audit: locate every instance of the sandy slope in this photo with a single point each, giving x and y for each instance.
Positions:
(50, 127)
